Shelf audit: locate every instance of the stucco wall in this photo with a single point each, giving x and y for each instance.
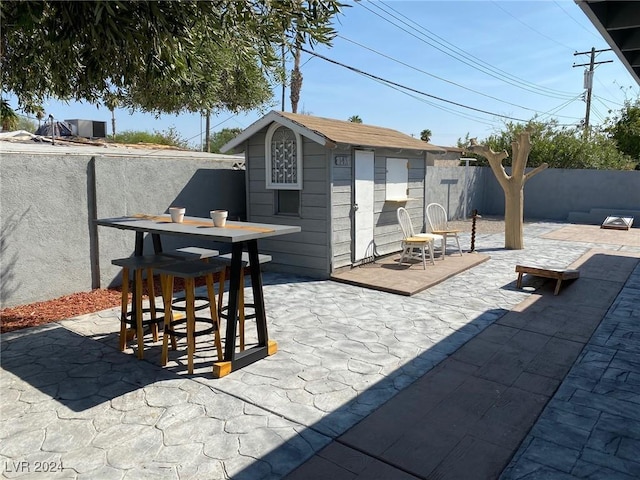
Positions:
(49, 198)
(555, 193)
(45, 227)
(446, 186)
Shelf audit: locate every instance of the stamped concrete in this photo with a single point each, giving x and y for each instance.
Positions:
(73, 404)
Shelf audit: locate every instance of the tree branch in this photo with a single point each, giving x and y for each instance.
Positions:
(495, 162)
(535, 171)
(520, 151)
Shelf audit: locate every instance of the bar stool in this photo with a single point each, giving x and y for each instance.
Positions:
(223, 311)
(192, 254)
(134, 319)
(189, 272)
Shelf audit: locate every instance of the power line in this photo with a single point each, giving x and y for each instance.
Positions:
(559, 5)
(519, 20)
(375, 77)
(462, 56)
(443, 79)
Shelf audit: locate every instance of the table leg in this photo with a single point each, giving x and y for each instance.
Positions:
(235, 360)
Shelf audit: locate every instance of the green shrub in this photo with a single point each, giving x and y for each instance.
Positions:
(166, 137)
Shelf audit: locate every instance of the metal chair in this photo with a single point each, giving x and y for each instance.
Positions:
(438, 222)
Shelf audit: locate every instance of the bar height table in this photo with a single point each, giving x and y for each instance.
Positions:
(240, 235)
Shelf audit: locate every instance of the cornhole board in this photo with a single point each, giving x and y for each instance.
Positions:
(617, 223)
(558, 274)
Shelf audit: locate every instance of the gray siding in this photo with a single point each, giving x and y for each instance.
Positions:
(387, 234)
(307, 252)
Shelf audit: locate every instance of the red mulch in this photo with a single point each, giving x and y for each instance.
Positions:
(68, 306)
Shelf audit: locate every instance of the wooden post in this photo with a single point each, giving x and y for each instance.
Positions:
(512, 185)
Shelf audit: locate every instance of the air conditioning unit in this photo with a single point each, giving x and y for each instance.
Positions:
(88, 128)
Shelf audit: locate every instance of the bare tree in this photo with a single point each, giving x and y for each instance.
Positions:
(513, 185)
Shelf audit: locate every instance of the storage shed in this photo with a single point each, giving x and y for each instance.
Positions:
(340, 181)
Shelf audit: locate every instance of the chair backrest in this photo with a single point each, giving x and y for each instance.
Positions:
(405, 222)
(437, 217)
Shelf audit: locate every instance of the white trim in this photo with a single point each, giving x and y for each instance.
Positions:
(267, 160)
(397, 179)
(270, 117)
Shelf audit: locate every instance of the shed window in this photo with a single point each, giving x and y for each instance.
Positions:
(397, 179)
(288, 202)
(283, 157)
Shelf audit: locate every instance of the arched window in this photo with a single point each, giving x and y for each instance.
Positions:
(283, 157)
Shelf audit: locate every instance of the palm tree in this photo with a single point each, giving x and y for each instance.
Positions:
(425, 135)
(8, 117)
(39, 115)
(111, 102)
(355, 119)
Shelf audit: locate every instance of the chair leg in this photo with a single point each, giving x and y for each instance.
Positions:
(458, 242)
(221, 280)
(166, 282)
(191, 321)
(124, 309)
(138, 312)
(431, 252)
(152, 303)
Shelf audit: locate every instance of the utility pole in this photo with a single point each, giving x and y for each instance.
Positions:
(588, 80)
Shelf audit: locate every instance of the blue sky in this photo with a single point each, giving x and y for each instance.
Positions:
(480, 64)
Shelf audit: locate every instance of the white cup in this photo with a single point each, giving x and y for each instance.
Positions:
(177, 214)
(219, 217)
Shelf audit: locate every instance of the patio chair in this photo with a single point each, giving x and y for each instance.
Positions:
(412, 242)
(438, 222)
(406, 219)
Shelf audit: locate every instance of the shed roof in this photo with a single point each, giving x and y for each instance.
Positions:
(331, 133)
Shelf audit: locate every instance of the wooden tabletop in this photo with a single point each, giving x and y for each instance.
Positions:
(232, 232)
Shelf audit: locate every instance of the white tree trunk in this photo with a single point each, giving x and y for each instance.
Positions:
(512, 185)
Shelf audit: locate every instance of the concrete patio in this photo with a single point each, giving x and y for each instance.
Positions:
(470, 378)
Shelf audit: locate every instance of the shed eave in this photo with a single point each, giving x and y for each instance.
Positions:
(267, 120)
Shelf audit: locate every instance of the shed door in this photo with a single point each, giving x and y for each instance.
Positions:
(363, 206)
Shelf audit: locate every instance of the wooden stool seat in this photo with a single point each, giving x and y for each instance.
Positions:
(189, 271)
(192, 254)
(558, 274)
(134, 319)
